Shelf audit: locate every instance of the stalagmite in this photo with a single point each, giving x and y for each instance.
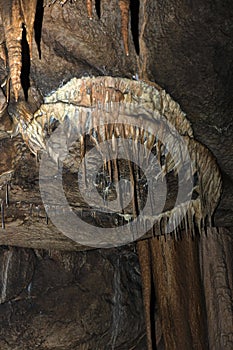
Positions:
(145, 265)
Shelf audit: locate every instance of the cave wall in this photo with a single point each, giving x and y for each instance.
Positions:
(186, 47)
(55, 299)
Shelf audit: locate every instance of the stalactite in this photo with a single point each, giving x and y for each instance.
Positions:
(64, 102)
(12, 23)
(14, 14)
(3, 214)
(124, 7)
(3, 54)
(29, 12)
(7, 194)
(107, 137)
(89, 8)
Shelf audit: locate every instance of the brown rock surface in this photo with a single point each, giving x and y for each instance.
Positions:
(56, 300)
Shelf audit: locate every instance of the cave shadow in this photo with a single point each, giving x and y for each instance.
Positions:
(38, 24)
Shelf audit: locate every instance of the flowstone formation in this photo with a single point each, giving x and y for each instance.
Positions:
(120, 118)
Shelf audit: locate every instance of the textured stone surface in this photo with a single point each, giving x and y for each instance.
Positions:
(215, 258)
(187, 48)
(56, 300)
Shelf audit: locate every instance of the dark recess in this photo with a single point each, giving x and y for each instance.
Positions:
(134, 10)
(97, 7)
(38, 24)
(25, 64)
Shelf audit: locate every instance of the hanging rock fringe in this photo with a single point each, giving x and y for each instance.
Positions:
(74, 104)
